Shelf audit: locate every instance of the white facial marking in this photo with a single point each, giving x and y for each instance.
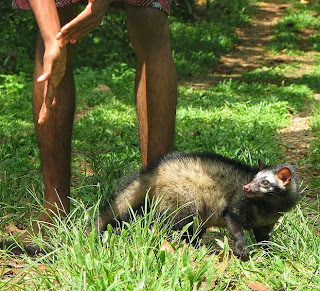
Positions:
(268, 175)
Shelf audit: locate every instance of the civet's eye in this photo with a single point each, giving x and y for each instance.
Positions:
(265, 183)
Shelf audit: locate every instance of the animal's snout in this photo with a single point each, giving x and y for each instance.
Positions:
(246, 188)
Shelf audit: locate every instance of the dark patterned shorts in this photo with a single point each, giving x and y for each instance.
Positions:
(116, 4)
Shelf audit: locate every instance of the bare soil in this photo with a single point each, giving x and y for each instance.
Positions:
(251, 54)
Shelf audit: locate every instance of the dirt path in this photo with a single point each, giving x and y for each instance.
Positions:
(251, 54)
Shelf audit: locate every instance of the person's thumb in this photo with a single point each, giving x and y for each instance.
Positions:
(44, 76)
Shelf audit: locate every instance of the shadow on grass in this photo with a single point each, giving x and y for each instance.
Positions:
(271, 77)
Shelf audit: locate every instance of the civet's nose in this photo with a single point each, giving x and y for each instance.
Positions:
(246, 188)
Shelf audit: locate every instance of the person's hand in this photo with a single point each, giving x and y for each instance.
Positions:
(86, 21)
(54, 66)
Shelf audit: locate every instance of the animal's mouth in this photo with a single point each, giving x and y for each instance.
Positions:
(248, 191)
(254, 195)
(250, 195)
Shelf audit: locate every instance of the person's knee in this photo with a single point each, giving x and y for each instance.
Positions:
(148, 29)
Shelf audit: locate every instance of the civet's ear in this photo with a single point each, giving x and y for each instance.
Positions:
(261, 164)
(284, 174)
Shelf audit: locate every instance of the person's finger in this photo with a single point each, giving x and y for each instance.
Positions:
(59, 35)
(51, 92)
(44, 77)
(82, 30)
(47, 70)
(73, 25)
(54, 102)
(64, 40)
(79, 26)
(47, 77)
(77, 36)
(49, 101)
(43, 114)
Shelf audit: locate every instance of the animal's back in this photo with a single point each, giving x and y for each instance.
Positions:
(202, 184)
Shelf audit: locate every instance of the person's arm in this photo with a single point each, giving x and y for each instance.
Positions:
(85, 22)
(55, 55)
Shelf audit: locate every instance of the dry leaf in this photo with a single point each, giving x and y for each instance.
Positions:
(42, 267)
(166, 247)
(257, 286)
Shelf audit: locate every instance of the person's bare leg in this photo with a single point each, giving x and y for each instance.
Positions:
(54, 136)
(156, 84)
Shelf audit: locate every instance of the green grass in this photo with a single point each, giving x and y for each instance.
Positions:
(291, 32)
(133, 258)
(297, 35)
(238, 119)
